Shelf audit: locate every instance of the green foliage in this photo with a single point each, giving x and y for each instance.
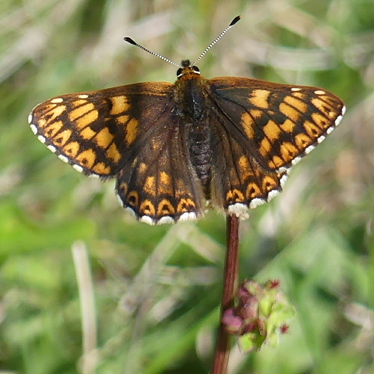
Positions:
(157, 289)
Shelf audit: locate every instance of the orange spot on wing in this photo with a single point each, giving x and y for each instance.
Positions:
(150, 186)
(247, 124)
(165, 185)
(288, 126)
(312, 129)
(87, 133)
(71, 149)
(113, 153)
(260, 98)
(253, 191)
(104, 138)
(288, 151)
(131, 131)
(296, 103)
(80, 112)
(186, 205)
(52, 111)
(234, 196)
(165, 208)
(62, 138)
(290, 112)
(146, 207)
(303, 140)
(77, 103)
(87, 119)
(86, 158)
(101, 168)
(321, 121)
(269, 183)
(120, 105)
(272, 131)
(53, 128)
(133, 198)
(276, 162)
(265, 147)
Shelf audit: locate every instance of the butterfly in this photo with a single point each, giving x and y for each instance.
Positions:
(175, 149)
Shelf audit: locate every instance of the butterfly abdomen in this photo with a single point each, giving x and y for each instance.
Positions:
(200, 153)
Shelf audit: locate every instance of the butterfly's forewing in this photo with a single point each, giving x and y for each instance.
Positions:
(268, 128)
(97, 131)
(283, 122)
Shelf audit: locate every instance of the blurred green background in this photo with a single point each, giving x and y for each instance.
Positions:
(157, 289)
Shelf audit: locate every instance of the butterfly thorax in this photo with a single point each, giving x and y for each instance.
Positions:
(191, 96)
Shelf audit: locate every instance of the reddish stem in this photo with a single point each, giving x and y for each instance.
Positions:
(221, 358)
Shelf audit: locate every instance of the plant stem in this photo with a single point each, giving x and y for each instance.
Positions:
(230, 281)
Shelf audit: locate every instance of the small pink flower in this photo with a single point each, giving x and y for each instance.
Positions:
(259, 316)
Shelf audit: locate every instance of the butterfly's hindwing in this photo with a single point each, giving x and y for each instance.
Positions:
(159, 184)
(239, 181)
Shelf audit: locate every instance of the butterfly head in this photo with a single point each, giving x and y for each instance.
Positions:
(186, 70)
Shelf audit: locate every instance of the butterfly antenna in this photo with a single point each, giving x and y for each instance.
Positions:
(133, 42)
(232, 23)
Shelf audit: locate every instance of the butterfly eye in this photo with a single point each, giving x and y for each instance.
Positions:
(196, 69)
(179, 72)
